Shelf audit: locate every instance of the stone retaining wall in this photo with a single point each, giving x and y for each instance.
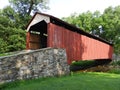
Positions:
(33, 64)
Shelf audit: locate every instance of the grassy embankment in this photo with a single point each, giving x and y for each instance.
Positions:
(76, 81)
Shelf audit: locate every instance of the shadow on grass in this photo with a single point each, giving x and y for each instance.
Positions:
(82, 65)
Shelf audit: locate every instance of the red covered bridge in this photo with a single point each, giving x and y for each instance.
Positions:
(47, 31)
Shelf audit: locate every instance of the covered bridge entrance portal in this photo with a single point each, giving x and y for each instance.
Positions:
(37, 36)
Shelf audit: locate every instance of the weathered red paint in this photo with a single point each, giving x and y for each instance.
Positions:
(27, 40)
(78, 47)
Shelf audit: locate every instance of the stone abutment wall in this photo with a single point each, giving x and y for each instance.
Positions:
(34, 64)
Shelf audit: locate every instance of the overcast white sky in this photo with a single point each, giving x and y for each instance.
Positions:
(64, 8)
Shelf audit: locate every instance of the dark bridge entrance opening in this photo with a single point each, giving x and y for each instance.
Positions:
(38, 36)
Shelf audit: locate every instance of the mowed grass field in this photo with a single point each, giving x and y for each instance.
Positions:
(75, 81)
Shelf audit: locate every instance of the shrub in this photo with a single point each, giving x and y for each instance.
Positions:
(115, 63)
(79, 65)
(83, 63)
(116, 71)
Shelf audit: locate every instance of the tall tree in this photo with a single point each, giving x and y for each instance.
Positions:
(111, 17)
(13, 20)
(25, 7)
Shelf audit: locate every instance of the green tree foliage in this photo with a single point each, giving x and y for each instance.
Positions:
(25, 7)
(111, 17)
(12, 38)
(13, 20)
(85, 20)
(109, 20)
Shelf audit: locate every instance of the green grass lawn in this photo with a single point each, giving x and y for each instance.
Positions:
(76, 81)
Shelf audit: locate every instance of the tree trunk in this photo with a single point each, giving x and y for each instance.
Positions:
(31, 5)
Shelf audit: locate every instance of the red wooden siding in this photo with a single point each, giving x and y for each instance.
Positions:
(33, 41)
(78, 47)
(27, 40)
